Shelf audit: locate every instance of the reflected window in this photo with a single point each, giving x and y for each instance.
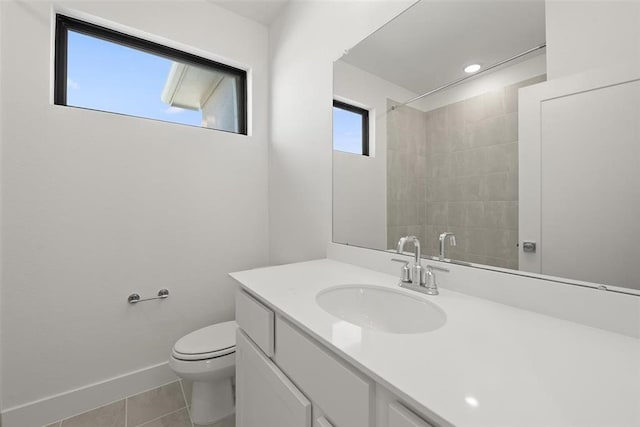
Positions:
(350, 128)
(101, 69)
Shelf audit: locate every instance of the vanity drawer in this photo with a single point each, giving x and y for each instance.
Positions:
(399, 416)
(344, 395)
(256, 320)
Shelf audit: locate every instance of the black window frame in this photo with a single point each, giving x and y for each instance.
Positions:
(364, 113)
(64, 24)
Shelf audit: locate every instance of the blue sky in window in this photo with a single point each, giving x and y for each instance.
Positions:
(347, 131)
(110, 77)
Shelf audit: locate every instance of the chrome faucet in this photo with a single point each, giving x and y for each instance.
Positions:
(417, 275)
(443, 238)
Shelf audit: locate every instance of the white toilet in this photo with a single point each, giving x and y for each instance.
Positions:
(207, 357)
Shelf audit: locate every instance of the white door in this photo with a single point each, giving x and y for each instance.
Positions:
(264, 395)
(579, 152)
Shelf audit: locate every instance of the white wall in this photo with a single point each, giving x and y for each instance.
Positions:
(304, 41)
(360, 182)
(599, 200)
(99, 205)
(583, 35)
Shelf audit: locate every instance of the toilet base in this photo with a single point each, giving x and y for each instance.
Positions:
(211, 401)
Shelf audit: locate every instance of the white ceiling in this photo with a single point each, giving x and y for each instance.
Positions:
(263, 11)
(429, 44)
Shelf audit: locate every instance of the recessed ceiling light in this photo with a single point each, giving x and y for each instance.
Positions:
(472, 68)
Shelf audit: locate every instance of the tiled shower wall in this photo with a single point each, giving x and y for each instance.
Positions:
(456, 169)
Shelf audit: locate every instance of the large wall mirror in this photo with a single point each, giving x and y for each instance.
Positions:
(550, 190)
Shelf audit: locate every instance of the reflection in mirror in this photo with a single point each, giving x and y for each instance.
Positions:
(455, 169)
(450, 161)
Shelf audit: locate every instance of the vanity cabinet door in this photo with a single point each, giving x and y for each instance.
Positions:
(344, 396)
(322, 422)
(399, 416)
(264, 395)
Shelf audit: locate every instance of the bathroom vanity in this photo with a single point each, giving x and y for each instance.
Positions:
(484, 364)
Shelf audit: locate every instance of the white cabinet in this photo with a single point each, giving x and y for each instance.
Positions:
(265, 396)
(322, 422)
(399, 416)
(344, 395)
(305, 385)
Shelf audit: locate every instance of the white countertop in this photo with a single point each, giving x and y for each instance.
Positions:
(518, 367)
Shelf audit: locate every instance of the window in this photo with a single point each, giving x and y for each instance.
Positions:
(102, 69)
(350, 128)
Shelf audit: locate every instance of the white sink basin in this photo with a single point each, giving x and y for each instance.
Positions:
(382, 309)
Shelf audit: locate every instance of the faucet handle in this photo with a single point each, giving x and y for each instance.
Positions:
(405, 271)
(430, 282)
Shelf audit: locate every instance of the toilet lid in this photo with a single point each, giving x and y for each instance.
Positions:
(208, 342)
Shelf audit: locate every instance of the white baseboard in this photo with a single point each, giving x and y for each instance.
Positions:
(64, 405)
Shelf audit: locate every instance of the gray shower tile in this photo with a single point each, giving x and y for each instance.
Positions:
(474, 213)
(511, 151)
(420, 170)
(440, 165)
(394, 161)
(493, 103)
(430, 244)
(497, 158)
(55, 424)
(154, 403)
(494, 215)
(421, 190)
(474, 109)
(511, 215)
(512, 187)
(477, 242)
(457, 138)
(411, 209)
(429, 190)
(510, 127)
(470, 188)
(455, 115)
(501, 243)
(393, 214)
(455, 213)
(422, 213)
(491, 131)
(392, 232)
(436, 141)
(411, 188)
(436, 119)
(437, 213)
(112, 415)
(498, 187)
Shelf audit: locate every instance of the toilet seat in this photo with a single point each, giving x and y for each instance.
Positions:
(207, 343)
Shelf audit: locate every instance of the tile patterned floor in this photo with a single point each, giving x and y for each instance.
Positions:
(166, 406)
